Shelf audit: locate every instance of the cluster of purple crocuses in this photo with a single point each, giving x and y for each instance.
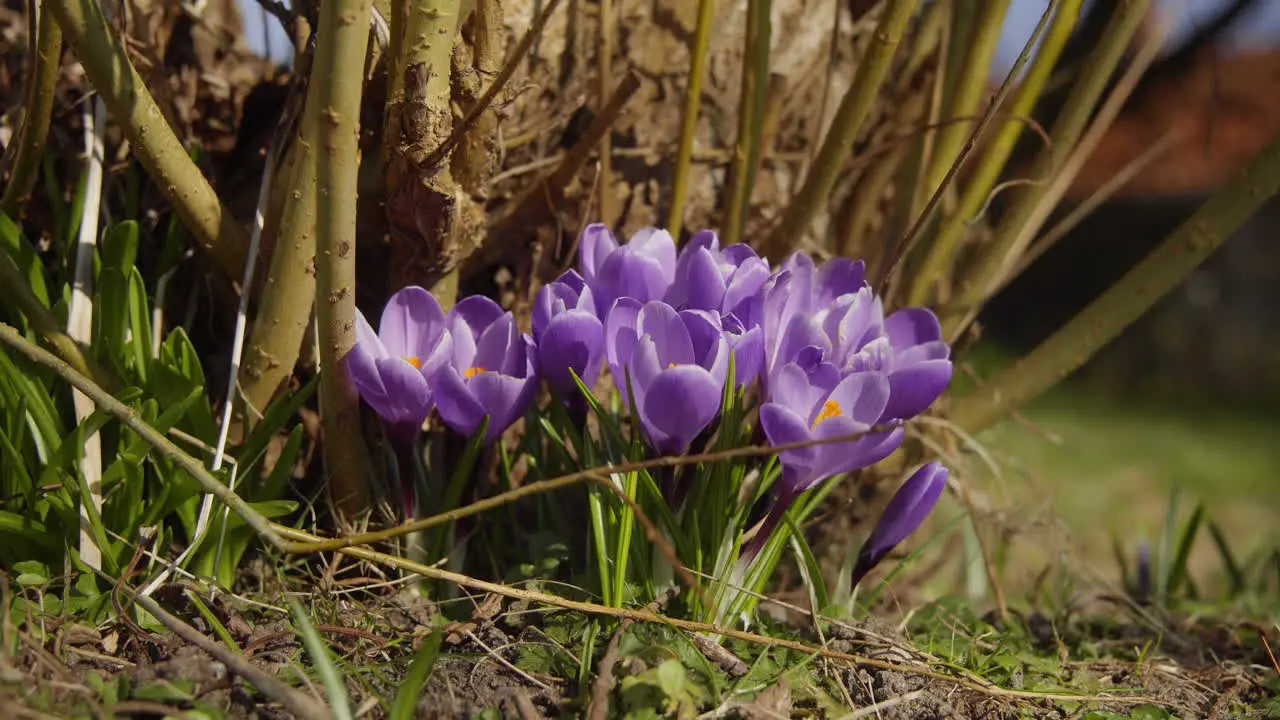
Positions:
(830, 366)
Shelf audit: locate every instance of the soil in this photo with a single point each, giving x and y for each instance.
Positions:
(1204, 669)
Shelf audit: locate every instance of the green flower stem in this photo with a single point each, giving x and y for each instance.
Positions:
(854, 109)
(977, 283)
(689, 117)
(599, 475)
(333, 114)
(942, 252)
(1153, 278)
(288, 295)
(38, 100)
(971, 78)
(150, 137)
(104, 400)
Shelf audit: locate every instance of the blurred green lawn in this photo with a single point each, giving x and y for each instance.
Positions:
(1103, 465)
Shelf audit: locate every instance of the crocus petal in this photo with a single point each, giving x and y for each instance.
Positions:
(572, 340)
(912, 326)
(861, 397)
(745, 283)
(703, 239)
(857, 319)
(932, 350)
(440, 356)
(710, 348)
(739, 253)
(498, 349)
(458, 407)
(552, 299)
(407, 398)
(680, 403)
(790, 388)
(361, 360)
(411, 323)
(657, 244)
(368, 340)
(905, 513)
(627, 273)
(504, 399)
(784, 427)
(914, 388)
(463, 352)
(839, 458)
(643, 368)
(572, 280)
(620, 334)
(748, 355)
(478, 311)
(670, 335)
(876, 355)
(801, 332)
(840, 276)
(698, 283)
(594, 246)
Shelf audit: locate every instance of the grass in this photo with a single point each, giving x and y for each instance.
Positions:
(1090, 472)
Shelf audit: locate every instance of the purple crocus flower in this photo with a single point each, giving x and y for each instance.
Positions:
(390, 367)
(492, 372)
(905, 512)
(1142, 580)
(569, 336)
(831, 308)
(747, 346)
(833, 311)
(642, 269)
(677, 362)
(921, 362)
(391, 370)
(812, 402)
(709, 278)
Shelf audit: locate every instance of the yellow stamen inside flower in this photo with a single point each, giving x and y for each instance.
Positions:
(474, 371)
(830, 409)
(414, 360)
(671, 365)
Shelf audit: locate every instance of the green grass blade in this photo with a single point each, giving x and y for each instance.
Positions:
(273, 420)
(415, 681)
(1164, 563)
(318, 651)
(24, 257)
(1178, 568)
(1235, 574)
(218, 628)
(809, 569)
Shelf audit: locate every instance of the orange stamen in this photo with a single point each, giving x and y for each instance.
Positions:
(474, 371)
(414, 360)
(830, 409)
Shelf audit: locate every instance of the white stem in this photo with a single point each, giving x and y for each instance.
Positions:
(237, 350)
(80, 317)
(157, 310)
